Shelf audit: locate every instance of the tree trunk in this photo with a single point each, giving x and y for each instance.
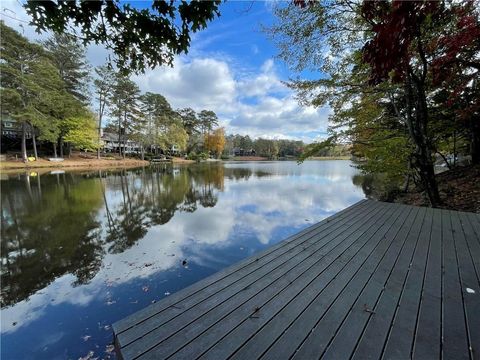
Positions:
(54, 150)
(24, 142)
(417, 126)
(100, 115)
(34, 140)
(475, 141)
(142, 152)
(119, 135)
(60, 145)
(69, 148)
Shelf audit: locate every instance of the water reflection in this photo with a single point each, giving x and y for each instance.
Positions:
(100, 245)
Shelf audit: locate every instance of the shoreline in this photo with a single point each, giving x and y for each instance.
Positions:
(9, 166)
(78, 163)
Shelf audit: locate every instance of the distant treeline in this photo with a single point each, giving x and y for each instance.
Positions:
(244, 145)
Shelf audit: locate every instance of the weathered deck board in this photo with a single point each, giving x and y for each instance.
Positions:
(376, 280)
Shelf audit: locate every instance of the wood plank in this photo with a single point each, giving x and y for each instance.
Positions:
(427, 342)
(399, 343)
(279, 314)
(355, 279)
(455, 344)
(472, 236)
(472, 243)
(475, 222)
(279, 274)
(375, 323)
(264, 256)
(193, 307)
(326, 328)
(469, 285)
(244, 306)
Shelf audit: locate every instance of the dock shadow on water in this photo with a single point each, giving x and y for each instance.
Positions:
(81, 250)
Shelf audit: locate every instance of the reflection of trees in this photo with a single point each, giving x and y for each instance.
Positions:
(51, 225)
(376, 186)
(48, 230)
(151, 196)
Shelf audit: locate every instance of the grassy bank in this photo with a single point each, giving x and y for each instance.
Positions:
(74, 162)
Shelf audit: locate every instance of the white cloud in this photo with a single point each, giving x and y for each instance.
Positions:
(201, 84)
(255, 103)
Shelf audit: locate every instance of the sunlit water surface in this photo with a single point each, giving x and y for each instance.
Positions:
(81, 250)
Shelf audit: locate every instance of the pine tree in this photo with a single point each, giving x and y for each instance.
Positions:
(125, 98)
(103, 88)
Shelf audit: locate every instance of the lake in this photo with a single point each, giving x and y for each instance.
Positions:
(83, 249)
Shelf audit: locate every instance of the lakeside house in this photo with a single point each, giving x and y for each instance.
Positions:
(111, 144)
(243, 152)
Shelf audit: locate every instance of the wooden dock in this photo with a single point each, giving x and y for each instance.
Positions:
(376, 280)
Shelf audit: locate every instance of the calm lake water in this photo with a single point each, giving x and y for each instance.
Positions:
(80, 250)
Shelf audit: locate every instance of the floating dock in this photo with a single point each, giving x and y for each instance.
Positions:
(376, 280)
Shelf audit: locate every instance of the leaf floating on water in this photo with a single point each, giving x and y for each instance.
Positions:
(86, 337)
(148, 264)
(89, 356)
(110, 302)
(14, 323)
(470, 291)
(145, 288)
(167, 293)
(184, 262)
(109, 349)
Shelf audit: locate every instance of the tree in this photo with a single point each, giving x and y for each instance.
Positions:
(82, 132)
(215, 141)
(159, 116)
(189, 120)
(125, 98)
(176, 135)
(266, 147)
(139, 37)
(103, 88)
(191, 124)
(69, 57)
(207, 120)
(32, 90)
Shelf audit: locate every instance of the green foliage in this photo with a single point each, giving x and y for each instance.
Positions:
(69, 57)
(139, 38)
(197, 157)
(207, 120)
(82, 131)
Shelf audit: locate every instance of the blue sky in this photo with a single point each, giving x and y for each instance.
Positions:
(231, 68)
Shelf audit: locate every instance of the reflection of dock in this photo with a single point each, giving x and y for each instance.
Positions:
(375, 280)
